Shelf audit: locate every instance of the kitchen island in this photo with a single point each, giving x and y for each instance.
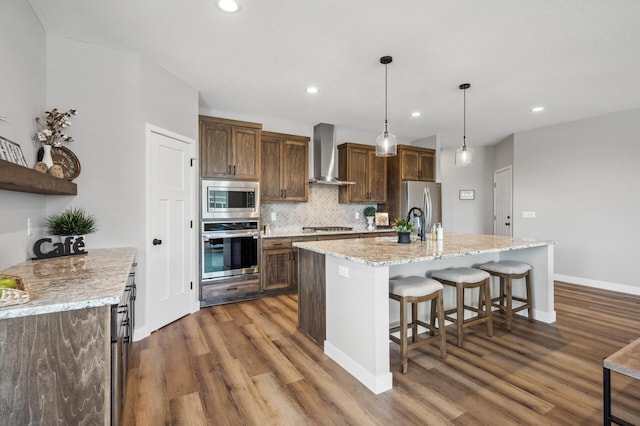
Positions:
(344, 290)
(63, 352)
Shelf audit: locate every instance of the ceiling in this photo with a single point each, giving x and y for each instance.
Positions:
(577, 58)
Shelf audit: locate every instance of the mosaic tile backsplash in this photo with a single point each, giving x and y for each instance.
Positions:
(322, 209)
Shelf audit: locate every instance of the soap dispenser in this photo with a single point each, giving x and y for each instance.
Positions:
(439, 232)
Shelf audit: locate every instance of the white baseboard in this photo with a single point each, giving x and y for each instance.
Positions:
(602, 285)
(376, 384)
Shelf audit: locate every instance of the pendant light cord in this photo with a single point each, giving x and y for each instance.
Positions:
(464, 119)
(386, 126)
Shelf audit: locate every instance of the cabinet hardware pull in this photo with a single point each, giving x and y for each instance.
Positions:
(229, 172)
(281, 193)
(234, 169)
(232, 288)
(285, 193)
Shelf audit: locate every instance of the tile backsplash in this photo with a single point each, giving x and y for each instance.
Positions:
(322, 209)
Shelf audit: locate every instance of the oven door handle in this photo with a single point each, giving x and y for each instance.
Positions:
(216, 235)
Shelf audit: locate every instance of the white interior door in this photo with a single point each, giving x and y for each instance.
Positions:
(502, 202)
(171, 285)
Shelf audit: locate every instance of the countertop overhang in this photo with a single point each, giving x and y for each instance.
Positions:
(286, 233)
(386, 251)
(97, 278)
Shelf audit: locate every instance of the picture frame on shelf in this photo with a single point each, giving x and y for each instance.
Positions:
(382, 219)
(11, 151)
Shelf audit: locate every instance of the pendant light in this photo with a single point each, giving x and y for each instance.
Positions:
(386, 144)
(464, 154)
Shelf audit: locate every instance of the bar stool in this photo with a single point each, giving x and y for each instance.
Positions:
(414, 290)
(462, 279)
(508, 270)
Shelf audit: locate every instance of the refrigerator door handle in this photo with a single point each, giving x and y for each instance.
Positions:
(426, 206)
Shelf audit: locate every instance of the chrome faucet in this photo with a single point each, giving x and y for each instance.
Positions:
(422, 233)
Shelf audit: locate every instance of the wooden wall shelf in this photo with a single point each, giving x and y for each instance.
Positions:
(14, 177)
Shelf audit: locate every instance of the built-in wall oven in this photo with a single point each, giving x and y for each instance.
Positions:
(230, 200)
(229, 249)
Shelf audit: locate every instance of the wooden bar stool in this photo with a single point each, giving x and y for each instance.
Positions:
(508, 270)
(462, 279)
(414, 290)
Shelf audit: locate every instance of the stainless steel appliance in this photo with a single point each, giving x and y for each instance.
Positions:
(229, 248)
(223, 199)
(425, 195)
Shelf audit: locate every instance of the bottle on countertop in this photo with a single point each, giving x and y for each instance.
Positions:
(433, 232)
(439, 232)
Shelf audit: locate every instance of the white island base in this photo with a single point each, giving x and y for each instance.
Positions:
(358, 313)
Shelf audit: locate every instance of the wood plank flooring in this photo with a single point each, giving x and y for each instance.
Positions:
(246, 364)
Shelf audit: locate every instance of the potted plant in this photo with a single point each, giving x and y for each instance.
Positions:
(404, 228)
(369, 214)
(73, 221)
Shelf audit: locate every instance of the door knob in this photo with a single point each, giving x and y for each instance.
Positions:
(157, 242)
(507, 224)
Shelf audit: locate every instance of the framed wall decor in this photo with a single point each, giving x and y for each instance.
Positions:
(467, 194)
(11, 151)
(382, 219)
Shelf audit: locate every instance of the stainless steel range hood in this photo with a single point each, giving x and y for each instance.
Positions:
(325, 156)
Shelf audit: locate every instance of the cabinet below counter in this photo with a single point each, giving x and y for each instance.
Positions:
(60, 350)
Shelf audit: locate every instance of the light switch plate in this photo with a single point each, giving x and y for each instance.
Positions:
(529, 215)
(357, 215)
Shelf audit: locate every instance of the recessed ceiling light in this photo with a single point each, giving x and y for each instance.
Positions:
(537, 109)
(312, 89)
(416, 114)
(229, 6)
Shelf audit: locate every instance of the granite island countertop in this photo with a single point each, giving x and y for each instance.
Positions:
(66, 283)
(385, 251)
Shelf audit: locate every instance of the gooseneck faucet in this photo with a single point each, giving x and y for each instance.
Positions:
(422, 233)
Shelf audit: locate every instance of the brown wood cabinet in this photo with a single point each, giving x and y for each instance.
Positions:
(279, 263)
(411, 163)
(358, 163)
(285, 167)
(415, 163)
(229, 149)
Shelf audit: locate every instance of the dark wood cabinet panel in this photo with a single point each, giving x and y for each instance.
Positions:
(358, 163)
(415, 163)
(276, 265)
(285, 168)
(229, 149)
(312, 296)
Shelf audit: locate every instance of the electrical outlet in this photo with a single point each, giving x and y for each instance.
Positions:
(529, 215)
(273, 217)
(343, 271)
(357, 215)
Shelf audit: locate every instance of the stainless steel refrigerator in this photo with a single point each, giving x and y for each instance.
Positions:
(425, 195)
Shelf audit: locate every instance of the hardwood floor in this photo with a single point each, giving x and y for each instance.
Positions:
(246, 363)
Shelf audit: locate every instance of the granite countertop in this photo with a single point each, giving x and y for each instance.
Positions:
(385, 251)
(297, 232)
(65, 283)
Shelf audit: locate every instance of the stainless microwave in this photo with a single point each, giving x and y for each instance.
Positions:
(223, 199)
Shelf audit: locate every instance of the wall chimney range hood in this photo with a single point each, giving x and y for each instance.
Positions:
(325, 156)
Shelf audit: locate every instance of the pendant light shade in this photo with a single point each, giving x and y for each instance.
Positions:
(464, 154)
(386, 144)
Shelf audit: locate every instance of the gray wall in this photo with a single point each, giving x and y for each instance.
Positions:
(581, 179)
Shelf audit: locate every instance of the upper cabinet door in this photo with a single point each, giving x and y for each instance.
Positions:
(409, 164)
(377, 178)
(285, 168)
(229, 149)
(358, 163)
(416, 163)
(215, 157)
(246, 145)
(295, 173)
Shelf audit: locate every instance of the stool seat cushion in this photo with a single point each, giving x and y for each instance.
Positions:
(413, 286)
(506, 267)
(461, 275)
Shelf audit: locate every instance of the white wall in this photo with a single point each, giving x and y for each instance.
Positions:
(23, 89)
(581, 179)
(469, 216)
